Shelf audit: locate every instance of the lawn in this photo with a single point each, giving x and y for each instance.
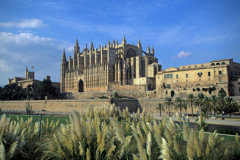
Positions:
(62, 119)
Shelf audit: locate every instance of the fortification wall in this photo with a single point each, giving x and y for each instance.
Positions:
(149, 104)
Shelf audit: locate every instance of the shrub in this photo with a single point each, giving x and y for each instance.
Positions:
(198, 89)
(194, 89)
(29, 108)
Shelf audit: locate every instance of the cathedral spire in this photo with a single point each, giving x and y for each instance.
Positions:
(64, 57)
(92, 47)
(148, 49)
(139, 43)
(76, 47)
(152, 50)
(124, 40)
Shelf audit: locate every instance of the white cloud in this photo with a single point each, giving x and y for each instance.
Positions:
(4, 67)
(183, 54)
(27, 23)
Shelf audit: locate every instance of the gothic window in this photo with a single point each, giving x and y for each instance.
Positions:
(169, 86)
(171, 75)
(209, 74)
(200, 74)
(165, 76)
(176, 75)
(220, 79)
(219, 72)
(187, 75)
(131, 53)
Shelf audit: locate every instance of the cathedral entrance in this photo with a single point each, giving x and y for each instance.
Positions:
(80, 86)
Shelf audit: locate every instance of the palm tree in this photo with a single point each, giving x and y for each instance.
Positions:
(160, 108)
(190, 99)
(206, 105)
(184, 104)
(178, 104)
(221, 95)
(199, 100)
(168, 103)
(214, 102)
(230, 104)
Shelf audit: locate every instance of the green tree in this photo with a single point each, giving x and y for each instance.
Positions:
(160, 108)
(168, 103)
(214, 101)
(190, 99)
(206, 105)
(199, 101)
(221, 95)
(178, 104)
(230, 105)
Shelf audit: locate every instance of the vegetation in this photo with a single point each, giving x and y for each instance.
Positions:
(109, 133)
(168, 103)
(160, 108)
(38, 91)
(190, 99)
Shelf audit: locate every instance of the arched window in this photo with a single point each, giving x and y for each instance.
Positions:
(223, 63)
(213, 64)
(217, 63)
(131, 53)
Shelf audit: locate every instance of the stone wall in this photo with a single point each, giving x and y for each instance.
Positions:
(149, 104)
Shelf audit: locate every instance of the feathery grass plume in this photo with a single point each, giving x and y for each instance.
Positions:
(119, 151)
(142, 138)
(211, 142)
(176, 147)
(200, 119)
(128, 125)
(150, 127)
(171, 126)
(156, 128)
(110, 152)
(2, 152)
(118, 130)
(81, 149)
(158, 139)
(138, 112)
(190, 147)
(178, 117)
(143, 113)
(195, 142)
(88, 154)
(133, 127)
(185, 132)
(165, 150)
(207, 151)
(148, 118)
(135, 157)
(226, 154)
(149, 144)
(237, 138)
(142, 152)
(168, 136)
(201, 138)
(12, 149)
(144, 127)
(163, 122)
(199, 153)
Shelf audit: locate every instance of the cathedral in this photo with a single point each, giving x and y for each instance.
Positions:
(109, 68)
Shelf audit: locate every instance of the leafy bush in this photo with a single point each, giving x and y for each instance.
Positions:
(198, 89)
(29, 108)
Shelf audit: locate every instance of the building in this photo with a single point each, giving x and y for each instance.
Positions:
(208, 78)
(109, 68)
(29, 79)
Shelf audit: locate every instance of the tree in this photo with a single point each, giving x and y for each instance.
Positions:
(199, 101)
(221, 95)
(230, 105)
(178, 104)
(214, 101)
(160, 108)
(168, 103)
(206, 105)
(190, 99)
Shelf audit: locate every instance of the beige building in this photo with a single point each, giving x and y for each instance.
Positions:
(208, 78)
(109, 68)
(29, 79)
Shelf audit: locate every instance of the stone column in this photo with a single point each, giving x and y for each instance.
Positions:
(119, 72)
(116, 71)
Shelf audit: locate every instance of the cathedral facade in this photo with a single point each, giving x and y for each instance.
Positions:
(109, 68)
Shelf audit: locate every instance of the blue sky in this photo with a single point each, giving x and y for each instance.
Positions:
(34, 33)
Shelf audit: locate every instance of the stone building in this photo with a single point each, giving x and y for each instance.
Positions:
(109, 68)
(29, 79)
(208, 78)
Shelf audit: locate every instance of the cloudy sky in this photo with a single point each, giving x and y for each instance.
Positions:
(34, 33)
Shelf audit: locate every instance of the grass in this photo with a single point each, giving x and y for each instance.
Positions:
(62, 119)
